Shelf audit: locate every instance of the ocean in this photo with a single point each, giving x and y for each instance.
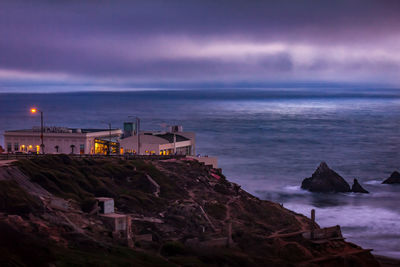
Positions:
(266, 140)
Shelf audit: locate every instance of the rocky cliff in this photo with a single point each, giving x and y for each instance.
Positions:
(183, 214)
(325, 179)
(393, 179)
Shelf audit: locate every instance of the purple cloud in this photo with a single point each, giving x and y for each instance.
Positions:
(199, 41)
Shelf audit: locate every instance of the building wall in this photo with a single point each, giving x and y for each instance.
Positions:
(30, 141)
(192, 137)
(32, 144)
(147, 143)
(153, 144)
(116, 222)
(108, 206)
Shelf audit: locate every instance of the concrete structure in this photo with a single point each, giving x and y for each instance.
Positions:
(172, 142)
(208, 161)
(63, 140)
(116, 222)
(105, 204)
(119, 224)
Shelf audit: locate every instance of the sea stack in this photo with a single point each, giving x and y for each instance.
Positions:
(393, 179)
(357, 188)
(325, 180)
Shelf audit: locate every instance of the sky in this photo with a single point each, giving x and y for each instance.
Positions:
(132, 44)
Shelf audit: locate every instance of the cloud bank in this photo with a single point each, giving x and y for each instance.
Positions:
(148, 42)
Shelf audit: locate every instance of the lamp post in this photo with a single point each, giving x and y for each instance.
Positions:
(137, 131)
(174, 136)
(109, 144)
(34, 111)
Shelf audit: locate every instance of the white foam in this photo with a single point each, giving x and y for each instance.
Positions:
(292, 188)
(373, 182)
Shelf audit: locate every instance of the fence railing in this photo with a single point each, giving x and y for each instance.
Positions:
(92, 156)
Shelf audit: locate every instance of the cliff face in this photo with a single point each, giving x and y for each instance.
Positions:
(393, 179)
(325, 180)
(183, 213)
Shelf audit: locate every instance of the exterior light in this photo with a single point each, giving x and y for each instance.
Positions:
(34, 111)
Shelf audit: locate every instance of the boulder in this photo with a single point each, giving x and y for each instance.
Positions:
(357, 188)
(325, 180)
(393, 179)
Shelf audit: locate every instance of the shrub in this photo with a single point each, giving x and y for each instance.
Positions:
(173, 248)
(216, 210)
(13, 199)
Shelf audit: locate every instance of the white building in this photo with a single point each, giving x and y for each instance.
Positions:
(63, 140)
(172, 142)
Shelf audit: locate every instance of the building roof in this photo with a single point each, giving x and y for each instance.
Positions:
(61, 130)
(170, 137)
(97, 130)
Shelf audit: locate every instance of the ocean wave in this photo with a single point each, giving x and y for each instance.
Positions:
(373, 182)
(296, 188)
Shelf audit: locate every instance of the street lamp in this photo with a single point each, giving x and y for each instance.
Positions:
(137, 131)
(34, 111)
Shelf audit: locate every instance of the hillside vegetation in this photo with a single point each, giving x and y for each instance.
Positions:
(193, 215)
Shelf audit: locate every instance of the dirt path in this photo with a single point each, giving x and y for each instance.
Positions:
(157, 192)
(192, 198)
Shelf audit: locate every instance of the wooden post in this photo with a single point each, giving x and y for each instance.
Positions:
(129, 231)
(312, 223)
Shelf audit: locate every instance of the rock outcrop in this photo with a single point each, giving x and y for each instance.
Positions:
(325, 180)
(393, 179)
(357, 188)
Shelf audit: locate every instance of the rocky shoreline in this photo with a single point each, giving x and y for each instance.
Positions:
(182, 213)
(326, 180)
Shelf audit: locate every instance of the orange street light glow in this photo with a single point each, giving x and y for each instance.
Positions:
(33, 110)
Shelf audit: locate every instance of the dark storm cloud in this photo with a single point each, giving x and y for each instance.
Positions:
(199, 40)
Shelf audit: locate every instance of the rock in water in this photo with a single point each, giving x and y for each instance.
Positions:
(325, 180)
(357, 188)
(393, 179)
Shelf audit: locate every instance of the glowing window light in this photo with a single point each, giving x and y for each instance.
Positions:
(33, 110)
